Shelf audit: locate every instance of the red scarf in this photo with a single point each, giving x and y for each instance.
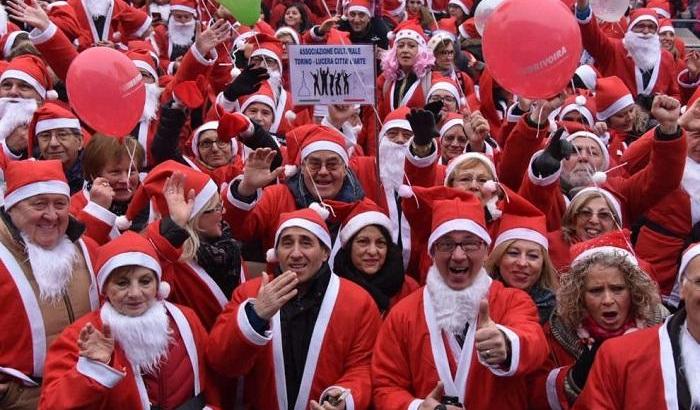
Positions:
(599, 334)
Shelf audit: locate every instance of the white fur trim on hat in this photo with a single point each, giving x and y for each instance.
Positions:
(467, 156)
(259, 98)
(207, 126)
(643, 17)
(438, 37)
(597, 140)
(267, 53)
(325, 146)
(127, 259)
(449, 124)
(145, 66)
(10, 41)
(409, 34)
(56, 123)
(606, 249)
(459, 224)
(526, 234)
(664, 29)
(21, 75)
(36, 188)
(461, 5)
(360, 9)
(581, 109)
(360, 221)
(316, 229)
(403, 124)
(289, 31)
(201, 199)
(184, 8)
(688, 256)
(621, 103)
(608, 196)
(588, 75)
(662, 12)
(445, 86)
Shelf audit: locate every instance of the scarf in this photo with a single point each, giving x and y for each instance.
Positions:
(221, 259)
(545, 300)
(600, 334)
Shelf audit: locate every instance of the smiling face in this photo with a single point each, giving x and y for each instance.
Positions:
(459, 267)
(300, 251)
(453, 143)
(260, 113)
(63, 144)
(131, 290)
(359, 21)
(471, 177)
(323, 171)
(607, 297)
(292, 17)
(586, 159)
(368, 250)
(43, 218)
(123, 176)
(212, 151)
(593, 218)
(521, 264)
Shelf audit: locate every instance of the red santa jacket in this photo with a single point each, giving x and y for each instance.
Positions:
(412, 354)
(414, 97)
(339, 352)
(121, 18)
(98, 221)
(611, 58)
(522, 142)
(73, 381)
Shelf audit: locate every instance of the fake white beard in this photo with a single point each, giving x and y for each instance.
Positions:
(455, 308)
(96, 8)
(690, 353)
(356, 129)
(162, 9)
(181, 34)
(52, 268)
(15, 112)
(275, 80)
(150, 107)
(144, 338)
(579, 176)
(391, 163)
(645, 49)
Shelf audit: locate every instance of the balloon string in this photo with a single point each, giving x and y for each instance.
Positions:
(132, 164)
(206, 9)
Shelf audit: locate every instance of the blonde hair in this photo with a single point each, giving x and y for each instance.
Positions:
(465, 165)
(548, 274)
(644, 293)
(568, 221)
(191, 245)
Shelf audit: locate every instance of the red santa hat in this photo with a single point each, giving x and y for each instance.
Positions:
(607, 195)
(28, 178)
(208, 126)
(666, 25)
(457, 161)
(394, 7)
(129, 249)
(50, 116)
(452, 119)
(312, 219)
(522, 220)
(643, 14)
(33, 71)
(446, 31)
(442, 83)
(465, 5)
(151, 191)
(453, 210)
(354, 216)
(688, 255)
(597, 140)
(143, 60)
(615, 242)
(7, 41)
(310, 138)
(264, 95)
(187, 6)
(360, 6)
(581, 104)
(588, 75)
(290, 32)
(612, 95)
(661, 7)
(396, 119)
(266, 45)
(409, 29)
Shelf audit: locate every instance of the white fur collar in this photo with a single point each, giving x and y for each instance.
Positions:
(690, 353)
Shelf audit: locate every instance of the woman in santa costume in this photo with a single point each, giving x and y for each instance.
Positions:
(368, 255)
(604, 295)
(469, 333)
(137, 351)
(655, 368)
(303, 339)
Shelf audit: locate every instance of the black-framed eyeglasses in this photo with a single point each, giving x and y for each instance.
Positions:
(448, 245)
(206, 145)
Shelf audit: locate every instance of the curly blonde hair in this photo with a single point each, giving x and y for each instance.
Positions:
(548, 275)
(644, 293)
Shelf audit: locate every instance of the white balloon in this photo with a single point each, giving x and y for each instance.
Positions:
(482, 13)
(609, 10)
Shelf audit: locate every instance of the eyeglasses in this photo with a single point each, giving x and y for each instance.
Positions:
(445, 99)
(61, 135)
(603, 216)
(445, 53)
(469, 179)
(218, 208)
(459, 139)
(448, 246)
(314, 165)
(207, 145)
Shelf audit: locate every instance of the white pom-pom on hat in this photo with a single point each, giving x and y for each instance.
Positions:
(405, 191)
(51, 95)
(390, 35)
(320, 210)
(122, 223)
(163, 290)
(235, 72)
(599, 177)
(491, 186)
(290, 115)
(580, 100)
(290, 170)
(271, 256)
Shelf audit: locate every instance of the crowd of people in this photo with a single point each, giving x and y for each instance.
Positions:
(452, 246)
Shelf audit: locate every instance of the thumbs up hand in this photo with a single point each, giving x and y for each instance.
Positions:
(491, 343)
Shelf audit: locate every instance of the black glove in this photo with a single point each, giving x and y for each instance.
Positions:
(247, 82)
(263, 139)
(579, 371)
(436, 108)
(549, 161)
(423, 126)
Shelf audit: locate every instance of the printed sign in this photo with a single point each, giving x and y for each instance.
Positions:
(329, 74)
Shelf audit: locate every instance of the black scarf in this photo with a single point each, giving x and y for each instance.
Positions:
(221, 259)
(351, 190)
(545, 300)
(384, 284)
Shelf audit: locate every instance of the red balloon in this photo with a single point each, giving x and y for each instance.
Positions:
(532, 48)
(106, 90)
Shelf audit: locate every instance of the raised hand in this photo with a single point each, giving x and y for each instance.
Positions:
(96, 345)
(32, 14)
(690, 120)
(101, 192)
(666, 110)
(179, 205)
(490, 341)
(541, 109)
(247, 82)
(216, 34)
(423, 126)
(327, 25)
(272, 295)
(692, 61)
(256, 173)
(477, 129)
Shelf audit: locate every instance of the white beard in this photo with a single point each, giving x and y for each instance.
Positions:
(144, 338)
(97, 8)
(162, 9)
(391, 163)
(690, 353)
(455, 308)
(181, 34)
(275, 81)
(52, 268)
(150, 107)
(645, 49)
(15, 112)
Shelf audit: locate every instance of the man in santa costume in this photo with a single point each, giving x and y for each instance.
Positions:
(175, 39)
(638, 59)
(107, 22)
(655, 368)
(46, 279)
(463, 340)
(303, 339)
